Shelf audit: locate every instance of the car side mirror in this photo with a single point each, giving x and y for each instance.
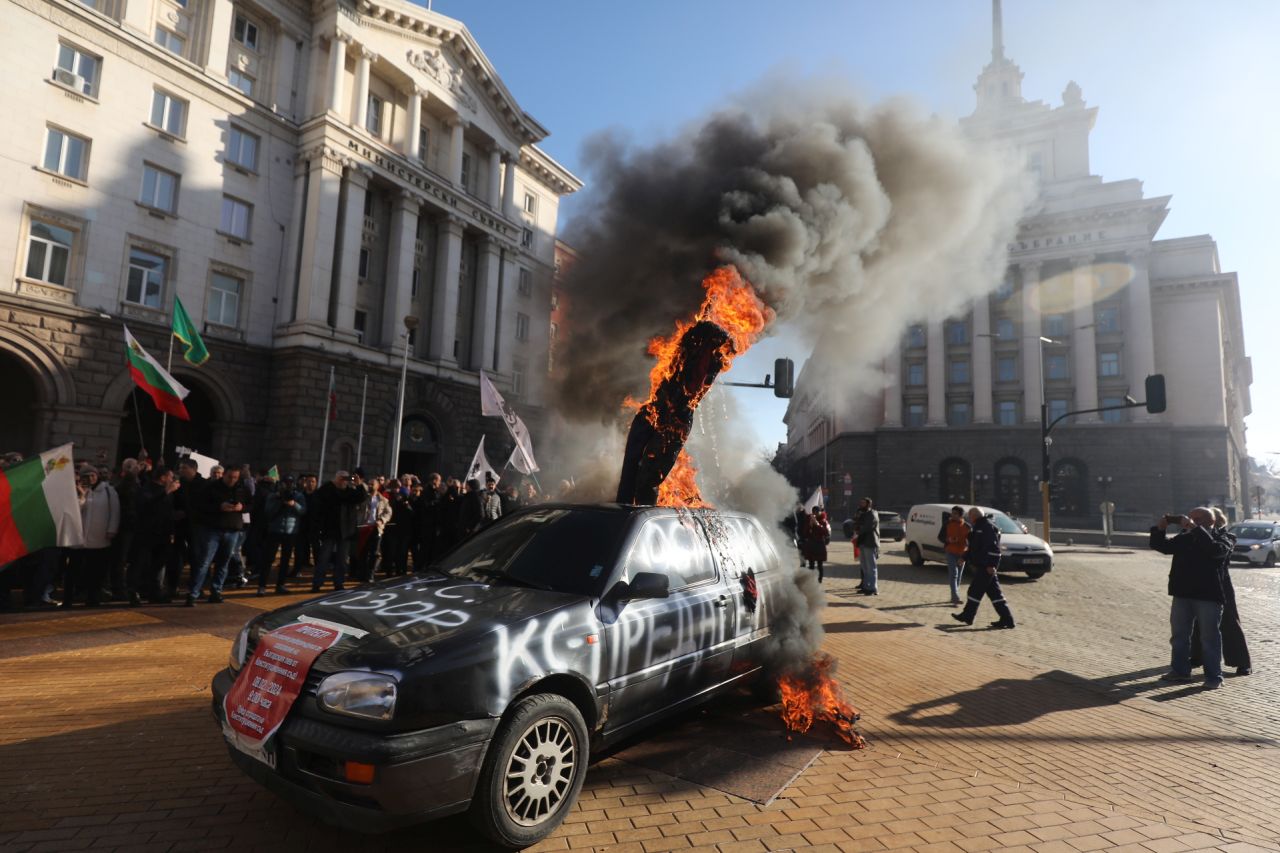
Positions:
(648, 585)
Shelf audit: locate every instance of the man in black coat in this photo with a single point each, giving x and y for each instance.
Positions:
(1196, 588)
(153, 529)
(218, 520)
(336, 506)
(983, 560)
(428, 510)
(189, 485)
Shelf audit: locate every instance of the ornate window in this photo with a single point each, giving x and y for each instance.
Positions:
(1070, 488)
(956, 481)
(1011, 486)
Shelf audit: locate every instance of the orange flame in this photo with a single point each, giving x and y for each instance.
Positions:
(733, 305)
(815, 695)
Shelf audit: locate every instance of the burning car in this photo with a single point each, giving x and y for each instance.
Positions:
(484, 685)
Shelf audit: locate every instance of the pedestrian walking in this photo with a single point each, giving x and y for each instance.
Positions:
(100, 521)
(983, 560)
(866, 538)
(954, 537)
(1195, 585)
(815, 535)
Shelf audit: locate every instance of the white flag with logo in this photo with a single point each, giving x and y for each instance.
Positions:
(492, 405)
(517, 461)
(480, 466)
(815, 500)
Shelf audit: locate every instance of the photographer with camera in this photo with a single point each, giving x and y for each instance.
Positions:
(283, 514)
(1196, 589)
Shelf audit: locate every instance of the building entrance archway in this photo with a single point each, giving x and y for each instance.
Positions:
(419, 447)
(18, 421)
(196, 433)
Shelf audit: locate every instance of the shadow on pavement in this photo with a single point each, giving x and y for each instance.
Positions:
(1006, 702)
(855, 627)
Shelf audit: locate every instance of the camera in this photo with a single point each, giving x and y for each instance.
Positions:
(1173, 519)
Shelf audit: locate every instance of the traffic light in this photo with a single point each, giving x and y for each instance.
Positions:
(1155, 393)
(784, 377)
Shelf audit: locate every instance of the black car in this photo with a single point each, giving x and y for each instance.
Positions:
(484, 685)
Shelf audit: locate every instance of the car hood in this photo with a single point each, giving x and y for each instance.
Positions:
(1023, 542)
(393, 624)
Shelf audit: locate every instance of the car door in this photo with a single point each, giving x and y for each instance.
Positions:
(663, 650)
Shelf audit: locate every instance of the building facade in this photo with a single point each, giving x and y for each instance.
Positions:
(304, 176)
(1091, 304)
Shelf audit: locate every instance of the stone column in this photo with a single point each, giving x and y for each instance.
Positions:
(286, 310)
(1084, 348)
(1139, 340)
(319, 230)
(893, 388)
(287, 56)
(362, 87)
(356, 184)
(936, 374)
(982, 360)
(411, 151)
(396, 298)
(505, 333)
(456, 127)
(444, 301)
(220, 14)
(509, 186)
(485, 322)
(1032, 350)
(337, 72)
(493, 182)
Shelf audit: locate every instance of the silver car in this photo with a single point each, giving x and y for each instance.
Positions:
(1257, 542)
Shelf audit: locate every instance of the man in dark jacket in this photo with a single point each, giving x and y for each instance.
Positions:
(337, 506)
(983, 560)
(218, 520)
(866, 536)
(470, 511)
(283, 512)
(190, 484)
(154, 526)
(1196, 589)
(427, 512)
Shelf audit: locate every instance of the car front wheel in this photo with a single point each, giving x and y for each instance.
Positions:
(532, 772)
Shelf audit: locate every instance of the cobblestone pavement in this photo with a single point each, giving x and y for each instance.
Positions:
(106, 742)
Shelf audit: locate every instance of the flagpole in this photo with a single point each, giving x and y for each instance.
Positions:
(360, 440)
(164, 418)
(137, 418)
(324, 438)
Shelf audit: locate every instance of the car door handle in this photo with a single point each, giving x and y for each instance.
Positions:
(722, 601)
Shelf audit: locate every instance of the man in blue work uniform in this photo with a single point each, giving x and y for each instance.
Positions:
(983, 560)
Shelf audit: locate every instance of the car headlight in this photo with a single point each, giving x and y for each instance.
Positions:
(1254, 547)
(239, 650)
(359, 694)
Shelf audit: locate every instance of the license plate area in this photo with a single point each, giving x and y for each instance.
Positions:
(266, 753)
(1033, 561)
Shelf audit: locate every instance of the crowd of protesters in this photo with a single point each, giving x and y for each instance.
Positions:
(162, 535)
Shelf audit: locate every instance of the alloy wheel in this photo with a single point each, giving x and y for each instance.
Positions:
(539, 773)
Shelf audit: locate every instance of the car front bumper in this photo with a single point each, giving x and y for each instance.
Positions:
(1028, 561)
(418, 775)
(1256, 558)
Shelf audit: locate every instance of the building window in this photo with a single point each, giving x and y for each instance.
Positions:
(915, 337)
(224, 300)
(1005, 290)
(146, 278)
(1057, 408)
(525, 285)
(77, 69)
(237, 217)
(957, 333)
(171, 41)
(1007, 413)
(531, 204)
(1055, 325)
(168, 113)
(518, 369)
(242, 149)
(373, 116)
(241, 81)
(1006, 369)
(915, 415)
(1115, 416)
(1004, 329)
(246, 32)
(1055, 367)
(522, 327)
(424, 143)
(915, 373)
(49, 252)
(465, 177)
(362, 268)
(1107, 319)
(1108, 364)
(413, 283)
(159, 188)
(958, 414)
(526, 238)
(960, 371)
(66, 154)
(361, 323)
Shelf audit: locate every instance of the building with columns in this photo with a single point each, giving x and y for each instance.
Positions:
(1091, 304)
(304, 176)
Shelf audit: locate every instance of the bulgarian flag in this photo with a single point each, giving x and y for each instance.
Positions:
(166, 392)
(39, 507)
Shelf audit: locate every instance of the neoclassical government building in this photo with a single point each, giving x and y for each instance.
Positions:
(958, 417)
(304, 176)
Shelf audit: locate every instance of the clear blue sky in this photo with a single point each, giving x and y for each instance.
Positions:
(1187, 95)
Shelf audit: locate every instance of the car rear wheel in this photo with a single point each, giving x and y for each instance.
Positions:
(532, 772)
(1035, 576)
(914, 555)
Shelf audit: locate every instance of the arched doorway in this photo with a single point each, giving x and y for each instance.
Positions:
(18, 414)
(956, 481)
(196, 433)
(1070, 488)
(419, 446)
(1011, 486)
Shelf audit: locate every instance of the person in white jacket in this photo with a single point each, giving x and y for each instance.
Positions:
(100, 519)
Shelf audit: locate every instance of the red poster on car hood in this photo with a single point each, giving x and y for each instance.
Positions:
(270, 681)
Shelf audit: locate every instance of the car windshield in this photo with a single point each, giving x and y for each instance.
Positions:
(1005, 524)
(566, 550)
(1253, 531)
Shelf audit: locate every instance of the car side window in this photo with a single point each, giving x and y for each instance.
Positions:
(673, 546)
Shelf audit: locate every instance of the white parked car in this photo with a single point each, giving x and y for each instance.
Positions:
(1257, 542)
(1019, 550)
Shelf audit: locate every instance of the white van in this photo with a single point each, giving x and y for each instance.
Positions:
(1019, 552)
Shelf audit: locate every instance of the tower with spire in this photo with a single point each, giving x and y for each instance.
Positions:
(1000, 83)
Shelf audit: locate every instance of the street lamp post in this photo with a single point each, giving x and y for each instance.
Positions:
(1045, 474)
(410, 323)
